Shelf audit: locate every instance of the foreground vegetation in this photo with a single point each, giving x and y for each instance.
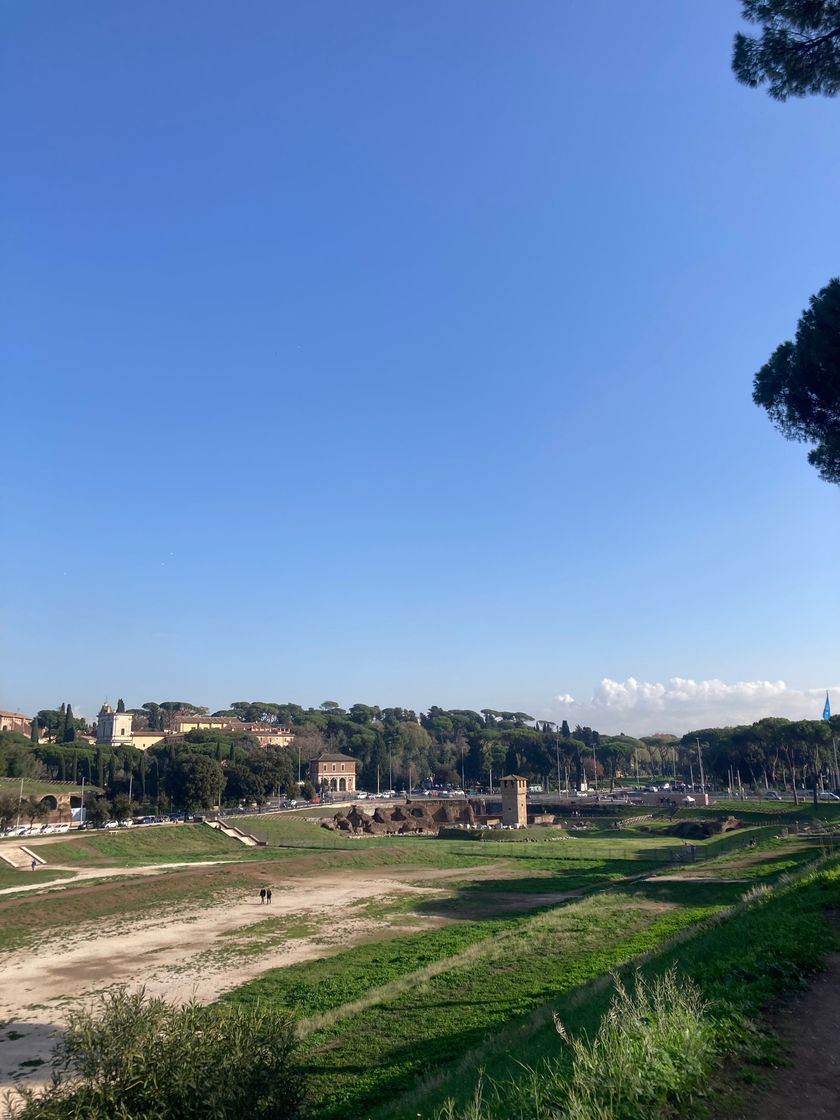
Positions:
(134, 1058)
(772, 942)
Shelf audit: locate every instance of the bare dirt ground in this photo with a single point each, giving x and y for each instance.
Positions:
(196, 952)
(809, 1084)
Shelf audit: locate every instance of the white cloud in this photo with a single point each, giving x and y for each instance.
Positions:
(681, 704)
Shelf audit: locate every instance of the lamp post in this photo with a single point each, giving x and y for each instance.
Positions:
(20, 799)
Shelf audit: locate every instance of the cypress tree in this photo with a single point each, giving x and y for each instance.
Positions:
(33, 730)
(121, 705)
(100, 769)
(69, 726)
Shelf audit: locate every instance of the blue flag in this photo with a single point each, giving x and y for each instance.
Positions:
(827, 708)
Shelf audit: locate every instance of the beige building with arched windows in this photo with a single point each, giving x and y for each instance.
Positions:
(333, 773)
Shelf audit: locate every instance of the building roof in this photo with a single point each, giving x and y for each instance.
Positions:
(334, 758)
(512, 778)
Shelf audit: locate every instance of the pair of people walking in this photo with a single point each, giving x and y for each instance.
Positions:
(265, 896)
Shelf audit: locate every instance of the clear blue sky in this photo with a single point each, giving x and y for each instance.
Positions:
(402, 353)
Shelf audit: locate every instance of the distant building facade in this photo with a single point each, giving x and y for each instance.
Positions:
(333, 773)
(16, 721)
(113, 728)
(267, 734)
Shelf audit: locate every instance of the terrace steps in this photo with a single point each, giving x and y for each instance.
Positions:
(236, 833)
(19, 857)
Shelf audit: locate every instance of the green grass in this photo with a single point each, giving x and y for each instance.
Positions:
(740, 961)
(759, 811)
(138, 846)
(35, 787)
(509, 974)
(387, 1011)
(10, 877)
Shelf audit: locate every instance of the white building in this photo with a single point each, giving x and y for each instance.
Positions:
(113, 729)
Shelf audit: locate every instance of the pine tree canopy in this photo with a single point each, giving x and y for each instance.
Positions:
(798, 50)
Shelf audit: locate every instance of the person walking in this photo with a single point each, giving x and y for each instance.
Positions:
(34, 864)
(262, 895)
(268, 896)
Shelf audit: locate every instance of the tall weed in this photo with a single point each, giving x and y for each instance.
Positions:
(649, 1058)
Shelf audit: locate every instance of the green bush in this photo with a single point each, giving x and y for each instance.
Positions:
(138, 1058)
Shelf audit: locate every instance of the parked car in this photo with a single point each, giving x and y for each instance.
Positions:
(826, 795)
(772, 795)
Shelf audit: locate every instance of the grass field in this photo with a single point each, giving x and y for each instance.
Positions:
(447, 978)
(376, 1018)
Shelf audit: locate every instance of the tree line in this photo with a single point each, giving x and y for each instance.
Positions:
(398, 748)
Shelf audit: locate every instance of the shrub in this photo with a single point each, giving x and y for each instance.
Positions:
(137, 1058)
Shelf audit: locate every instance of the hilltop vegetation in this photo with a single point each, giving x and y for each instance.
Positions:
(398, 747)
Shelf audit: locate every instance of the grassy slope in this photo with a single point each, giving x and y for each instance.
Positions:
(741, 962)
(33, 786)
(137, 846)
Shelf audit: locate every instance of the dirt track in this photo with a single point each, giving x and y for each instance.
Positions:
(181, 955)
(809, 1084)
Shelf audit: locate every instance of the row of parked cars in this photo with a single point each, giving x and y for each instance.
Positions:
(36, 829)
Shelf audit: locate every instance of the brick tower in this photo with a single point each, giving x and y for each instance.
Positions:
(514, 800)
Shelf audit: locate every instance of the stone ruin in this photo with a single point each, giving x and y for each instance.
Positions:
(702, 829)
(424, 817)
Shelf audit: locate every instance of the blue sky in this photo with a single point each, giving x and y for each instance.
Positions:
(402, 353)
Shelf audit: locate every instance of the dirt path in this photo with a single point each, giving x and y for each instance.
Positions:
(40, 880)
(809, 1086)
(193, 953)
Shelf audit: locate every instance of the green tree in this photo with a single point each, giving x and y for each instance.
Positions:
(8, 809)
(69, 726)
(121, 807)
(798, 50)
(799, 387)
(97, 811)
(194, 781)
(121, 705)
